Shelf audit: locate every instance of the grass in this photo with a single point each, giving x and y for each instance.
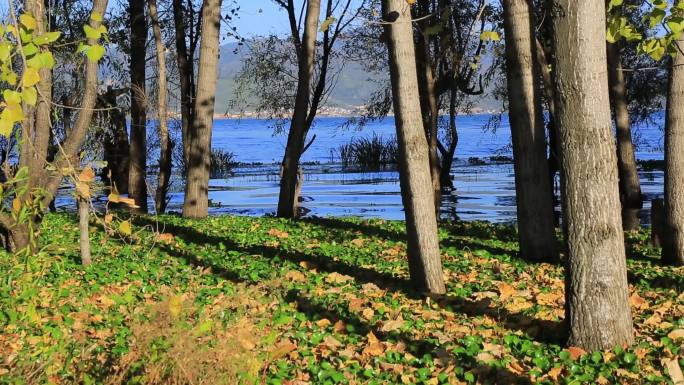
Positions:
(322, 301)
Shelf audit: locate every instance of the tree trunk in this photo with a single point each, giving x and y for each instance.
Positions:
(597, 306)
(288, 200)
(429, 103)
(425, 263)
(448, 153)
(165, 147)
(534, 204)
(84, 227)
(137, 186)
(630, 189)
(22, 234)
(673, 242)
(543, 67)
(196, 204)
(185, 73)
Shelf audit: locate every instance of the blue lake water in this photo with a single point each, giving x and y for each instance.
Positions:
(483, 192)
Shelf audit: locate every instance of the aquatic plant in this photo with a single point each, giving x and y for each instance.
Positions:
(222, 162)
(369, 153)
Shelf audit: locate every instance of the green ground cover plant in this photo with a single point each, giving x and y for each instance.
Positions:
(241, 300)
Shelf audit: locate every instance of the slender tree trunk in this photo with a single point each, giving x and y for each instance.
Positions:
(429, 103)
(673, 242)
(84, 227)
(425, 263)
(630, 189)
(597, 306)
(196, 204)
(448, 153)
(185, 73)
(288, 201)
(165, 147)
(137, 186)
(543, 66)
(534, 204)
(21, 234)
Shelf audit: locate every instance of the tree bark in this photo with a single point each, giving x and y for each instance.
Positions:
(137, 185)
(630, 188)
(196, 204)
(425, 263)
(165, 146)
(534, 204)
(84, 227)
(673, 242)
(288, 201)
(597, 307)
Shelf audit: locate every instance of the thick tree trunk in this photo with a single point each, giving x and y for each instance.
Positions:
(288, 200)
(597, 307)
(425, 263)
(673, 242)
(137, 186)
(165, 147)
(196, 204)
(534, 204)
(185, 73)
(84, 227)
(630, 189)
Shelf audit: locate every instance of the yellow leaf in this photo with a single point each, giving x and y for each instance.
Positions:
(325, 25)
(411, 2)
(6, 127)
(125, 228)
(28, 21)
(175, 305)
(87, 175)
(30, 96)
(30, 77)
(16, 205)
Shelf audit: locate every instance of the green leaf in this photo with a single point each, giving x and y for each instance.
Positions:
(47, 38)
(91, 33)
(95, 52)
(676, 24)
(5, 51)
(42, 60)
(27, 21)
(29, 49)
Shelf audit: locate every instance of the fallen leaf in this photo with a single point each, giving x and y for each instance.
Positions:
(554, 373)
(392, 325)
(278, 233)
(638, 302)
(336, 277)
(575, 352)
(323, 323)
(295, 276)
(368, 313)
(282, 349)
(676, 334)
(505, 290)
(673, 370)
(358, 242)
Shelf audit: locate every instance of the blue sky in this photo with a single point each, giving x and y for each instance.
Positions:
(261, 17)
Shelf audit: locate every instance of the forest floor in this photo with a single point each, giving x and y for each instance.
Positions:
(325, 301)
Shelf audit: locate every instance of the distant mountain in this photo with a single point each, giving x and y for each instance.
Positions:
(353, 88)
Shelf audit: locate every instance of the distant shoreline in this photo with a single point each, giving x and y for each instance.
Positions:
(335, 113)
